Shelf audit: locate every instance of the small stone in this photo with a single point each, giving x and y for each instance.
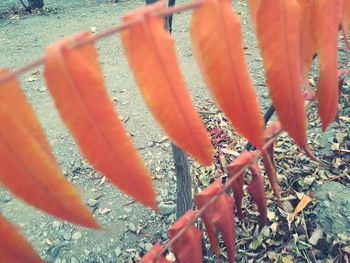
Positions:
(141, 245)
(58, 260)
(166, 208)
(73, 260)
(42, 89)
(67, 236)
(132, 227)
(159, 198)
(87, 252)
(128, 210)
(54, 251)
(93, 202)
(93, 29)
(77, 235)
(56, 224)
(148, 246)
(6, 198)
(117, 252)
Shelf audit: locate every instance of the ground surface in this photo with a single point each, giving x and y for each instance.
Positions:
(132, 228)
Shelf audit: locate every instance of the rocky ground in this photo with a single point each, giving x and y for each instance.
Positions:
(132, 229)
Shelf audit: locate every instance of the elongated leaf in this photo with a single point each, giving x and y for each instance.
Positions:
(268, 158)
(187, 248)
(151, 55)
(23, 111)
(218, 216)
(327, 15)
(13, 247)
(345, 20)
(257, 191)
(237, 186)
(278, 30)
(271, 174)
(307, 39)
(151, 255)
(254, 6)
(76, 84)
(217, 43)
(301, 205)
(27, 168)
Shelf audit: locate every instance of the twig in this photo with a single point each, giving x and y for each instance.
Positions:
(223, 190)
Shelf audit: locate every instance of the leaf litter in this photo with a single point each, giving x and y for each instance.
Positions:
(292, 233)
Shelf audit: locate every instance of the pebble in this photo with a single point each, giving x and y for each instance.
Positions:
(93, 202)
(128, 210)
(148, 246)
(6, 198)
(73, 260)
(132, 227)
(77, 235)
(54, 251)
(67, 236)
(166, 208)
(117, 252)
(42, 89)
(56, 224)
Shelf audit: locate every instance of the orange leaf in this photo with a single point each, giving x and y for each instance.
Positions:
(257, 191)
(325, 27)
(301, 205)
(237, 186)
(13, 247)
(254, 6)
(23, 111)
(217, 43)
(188, 248)
(151, 256)
(151, 55)
(268, 158)
(307, 40)
(271, 174)
(218, 215)
(76, 84)
(278, 30)
(345, 20)
(28, 168)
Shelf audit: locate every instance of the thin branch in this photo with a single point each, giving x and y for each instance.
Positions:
(27, 8)
(225, 187)
(108, 32)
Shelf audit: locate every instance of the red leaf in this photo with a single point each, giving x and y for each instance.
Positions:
(271, 174)
(237, 186)
(345, 19)
(28, 168)
(278, 30)
(217, 43)
(325, 28)
(188, 248)
(13, 247)
(257, 191)
(218, 215)
(151, 255)
(76, 84)
(151, 56)
(23, 111)
(307, 40)
(268, 158)
(254, 6)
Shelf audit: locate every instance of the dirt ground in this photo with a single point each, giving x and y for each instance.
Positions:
(131, 228)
